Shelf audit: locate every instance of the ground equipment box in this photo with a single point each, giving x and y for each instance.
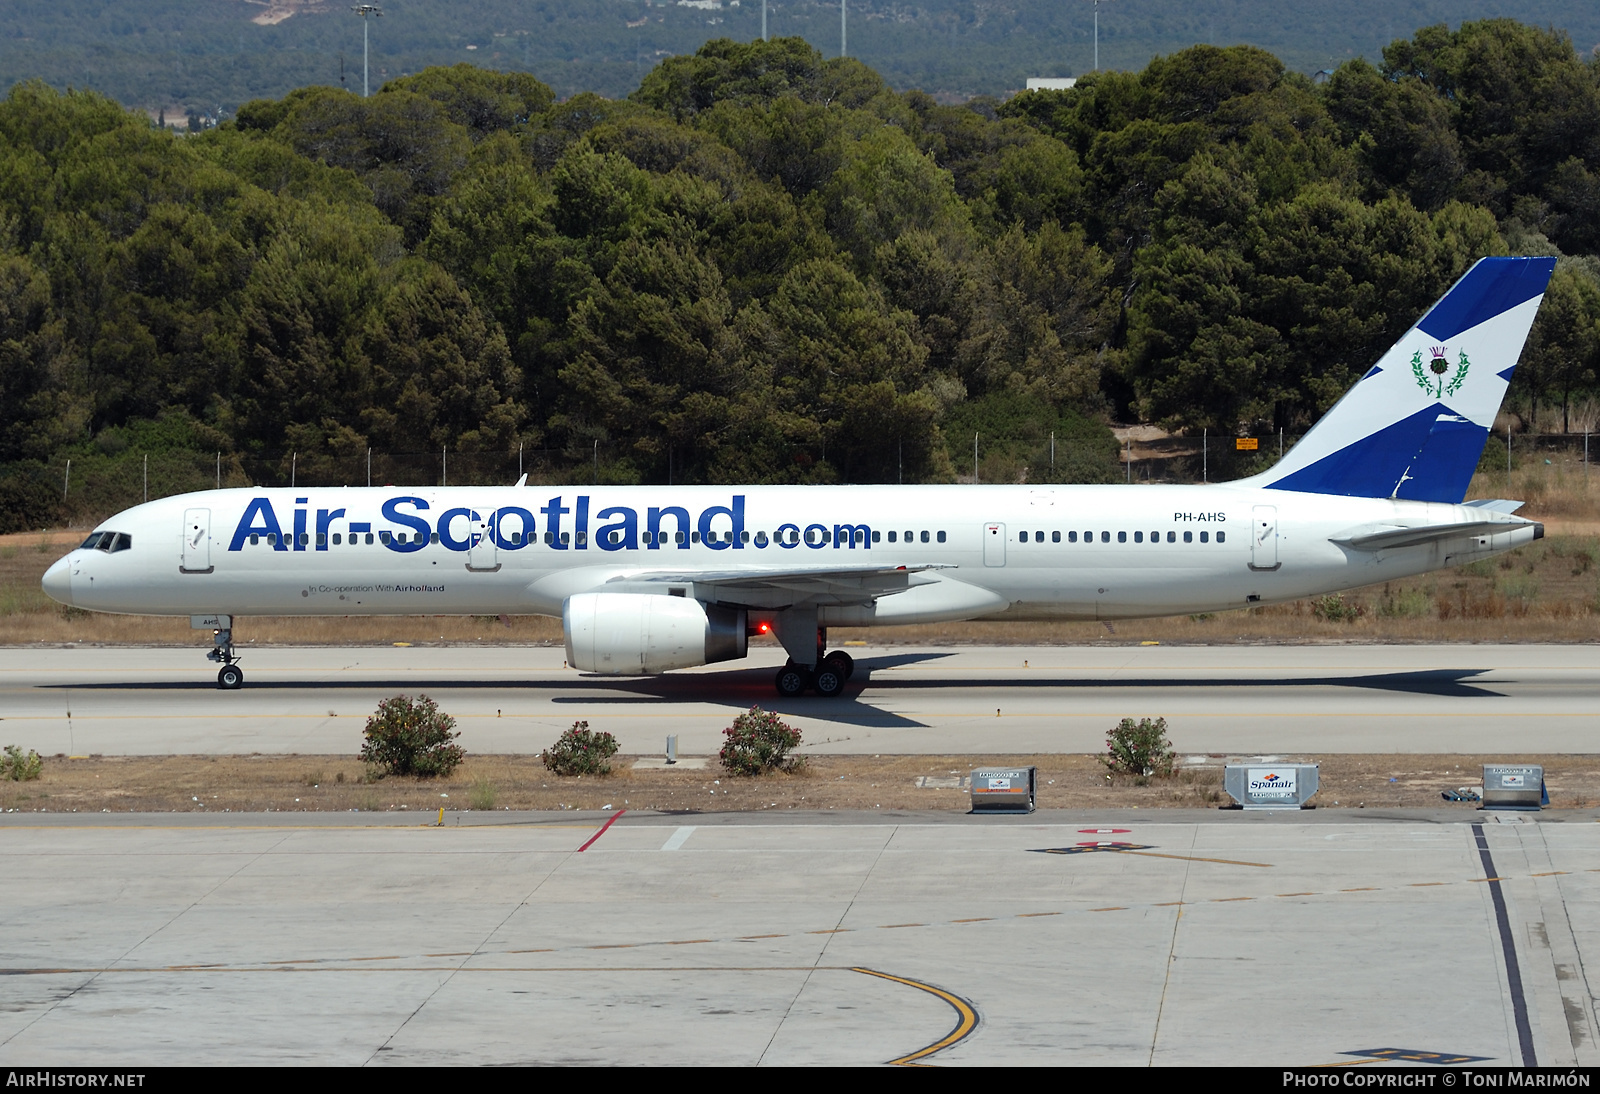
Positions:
(1270, 786)
(1004, 789)
(1511, 786)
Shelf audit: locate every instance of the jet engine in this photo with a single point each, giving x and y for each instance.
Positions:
(629, 634)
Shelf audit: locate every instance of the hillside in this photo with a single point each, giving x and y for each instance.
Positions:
(206, 55)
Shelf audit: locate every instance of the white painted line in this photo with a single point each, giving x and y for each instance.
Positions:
(678, 838)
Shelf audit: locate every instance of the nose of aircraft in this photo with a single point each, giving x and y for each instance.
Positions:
(57, 581)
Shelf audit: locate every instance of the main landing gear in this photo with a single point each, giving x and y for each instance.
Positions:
(827, 679)
(230, 677)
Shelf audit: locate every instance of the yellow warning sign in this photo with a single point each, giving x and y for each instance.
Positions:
(1246, 444)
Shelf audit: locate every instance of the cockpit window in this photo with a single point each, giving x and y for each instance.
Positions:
(109, 542)
(91, 543)
(124, 542)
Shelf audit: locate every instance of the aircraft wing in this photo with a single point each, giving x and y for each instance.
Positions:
(776, 588)
(1384, 537)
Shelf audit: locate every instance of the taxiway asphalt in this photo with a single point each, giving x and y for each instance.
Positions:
(1197, 938)
(957, 700)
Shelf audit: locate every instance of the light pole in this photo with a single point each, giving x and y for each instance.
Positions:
(842, 51)
(764, 37)
(1097, 34)
(368, 10)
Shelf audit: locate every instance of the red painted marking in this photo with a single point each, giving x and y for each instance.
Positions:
(1102, 831)
(603, 828)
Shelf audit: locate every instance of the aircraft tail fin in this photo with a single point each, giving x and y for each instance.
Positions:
(1414, 426)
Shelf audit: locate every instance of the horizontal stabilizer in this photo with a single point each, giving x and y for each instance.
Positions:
(1386, 537)
(1496, 505)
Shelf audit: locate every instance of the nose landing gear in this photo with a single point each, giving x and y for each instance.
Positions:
(230, 677)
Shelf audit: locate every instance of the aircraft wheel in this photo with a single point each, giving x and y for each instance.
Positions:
(829, 680)
(792, 681)
(230, 678)
(843, 662)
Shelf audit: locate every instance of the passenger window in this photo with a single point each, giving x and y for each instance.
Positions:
(1172, 537)
(1188, 537)
(433, 537)
(876, 536)
(891, 537)
(924, 537)
(1038, 537)
(566, 537)
(677, 537)
(744, 536)
(941, 537)
(583, 538)
(322, 539)
(1222, 537)
(1155, 537)
(337, 539)
(549, 537)
(1105, 537)
(1204, 537)
(254, 539)
(369, 538)
(1022, 537)
(1055, 537)
(1138, 537)
(694, 537)
(1122, 537)
(305, 539)
(383, 537)
(761, 539)
(1072, 537)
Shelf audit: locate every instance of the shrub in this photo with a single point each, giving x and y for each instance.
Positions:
(757, 742)
(581, 751)
(412, 738)
(17, 767)
(481, 795)
(1139, 748)
(1334, 609)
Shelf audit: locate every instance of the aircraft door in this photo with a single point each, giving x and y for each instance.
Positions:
(196, 557)
(1264, 538)
(994, 544)
(482, 554)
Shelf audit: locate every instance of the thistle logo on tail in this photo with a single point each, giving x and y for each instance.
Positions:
(1432, 377)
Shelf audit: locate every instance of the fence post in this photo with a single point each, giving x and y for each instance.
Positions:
(66, 483)
(444, 465)
(147, 476)
(219, 470)
(1205, 455)
(974, 459)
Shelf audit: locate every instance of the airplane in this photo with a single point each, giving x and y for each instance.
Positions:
(647, 579)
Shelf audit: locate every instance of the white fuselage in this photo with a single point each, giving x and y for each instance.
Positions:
(1002, 552)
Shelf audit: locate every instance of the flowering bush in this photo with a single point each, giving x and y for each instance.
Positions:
(412, 738)
(757, 742)
(1139, 748)
(580, 751)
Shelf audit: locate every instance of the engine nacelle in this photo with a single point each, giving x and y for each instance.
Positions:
(632, 634)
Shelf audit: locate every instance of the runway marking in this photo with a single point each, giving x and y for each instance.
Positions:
(896, 926)
(966, 1016)
(613, 820)
(975, 919)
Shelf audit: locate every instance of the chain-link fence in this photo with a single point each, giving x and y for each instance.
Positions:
(89, 488)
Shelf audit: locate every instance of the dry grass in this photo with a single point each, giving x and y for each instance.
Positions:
(334, 783)
(1547, 592)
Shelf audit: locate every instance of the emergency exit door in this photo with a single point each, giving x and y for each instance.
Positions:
(994, 544)
(196, 551)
